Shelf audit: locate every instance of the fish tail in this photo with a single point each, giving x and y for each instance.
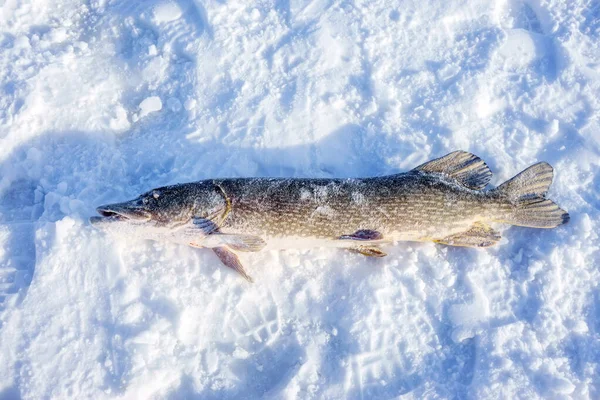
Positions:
(529, 206)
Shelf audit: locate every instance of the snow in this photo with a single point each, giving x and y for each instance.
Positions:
(150, 105)
(103, 100)
(167, 11)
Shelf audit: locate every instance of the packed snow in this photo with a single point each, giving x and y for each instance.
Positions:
(103, 100)
(149, 105)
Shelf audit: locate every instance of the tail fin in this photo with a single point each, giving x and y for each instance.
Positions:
(527, 192)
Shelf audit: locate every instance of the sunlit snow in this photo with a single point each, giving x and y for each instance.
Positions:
(103, 100)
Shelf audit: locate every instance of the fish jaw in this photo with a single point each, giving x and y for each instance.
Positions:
(136, 227)
(127, 219)
(130, 210)
(122, 226)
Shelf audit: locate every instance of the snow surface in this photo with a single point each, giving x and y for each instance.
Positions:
(149, 105)
(321, 88)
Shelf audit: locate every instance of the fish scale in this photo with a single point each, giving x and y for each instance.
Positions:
(392, 204)
(442, 201)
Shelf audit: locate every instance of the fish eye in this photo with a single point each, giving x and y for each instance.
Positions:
(156, 194)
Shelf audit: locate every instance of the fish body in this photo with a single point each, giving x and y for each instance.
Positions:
(409, 206)
(440, 201)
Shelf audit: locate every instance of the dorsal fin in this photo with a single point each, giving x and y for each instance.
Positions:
(466, 168)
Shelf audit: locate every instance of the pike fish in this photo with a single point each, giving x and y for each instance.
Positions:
(441, 201)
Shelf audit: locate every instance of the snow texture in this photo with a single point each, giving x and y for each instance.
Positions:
(315, 88)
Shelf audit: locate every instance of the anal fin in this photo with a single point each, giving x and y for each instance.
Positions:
(369, 251)
(232, 261)
(479, 235)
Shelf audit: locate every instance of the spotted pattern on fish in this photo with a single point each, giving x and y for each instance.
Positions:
(414, 204)
(443, 201)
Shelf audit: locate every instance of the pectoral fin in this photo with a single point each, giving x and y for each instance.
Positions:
(479, 235)
(369, 251)
(204, 224)
(232, 261)
(205, 233)
(196, 232)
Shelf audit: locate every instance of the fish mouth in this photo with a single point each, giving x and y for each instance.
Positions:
(119, 212)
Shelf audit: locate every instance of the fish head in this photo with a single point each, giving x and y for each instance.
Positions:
(160, 211)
